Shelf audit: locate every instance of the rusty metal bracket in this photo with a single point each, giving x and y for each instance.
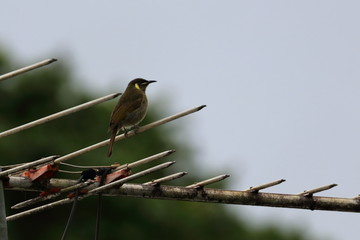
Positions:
(116, 175)
(41, 176)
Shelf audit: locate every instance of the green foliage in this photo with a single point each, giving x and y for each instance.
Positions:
(42, 92)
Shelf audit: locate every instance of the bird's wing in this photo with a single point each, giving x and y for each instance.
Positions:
(121, 111)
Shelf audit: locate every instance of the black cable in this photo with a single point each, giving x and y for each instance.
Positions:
(98, 216)
(102, 172)
(85, 175)
(71, 215)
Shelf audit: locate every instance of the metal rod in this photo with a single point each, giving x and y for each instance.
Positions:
(210, 195)
(236, 197)
(309, 193)
(41, 199)
(3, 224)
(263, 186)
(129, 134)
(58, 115)
(10, 166)
(169, 178)
(146, 160)
(208, 181)
(26, 69)
(131, 177)
(28, 165)
(39, 209)
(61, 183)
(94, 191)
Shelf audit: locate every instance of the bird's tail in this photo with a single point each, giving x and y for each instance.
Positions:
(112, 139)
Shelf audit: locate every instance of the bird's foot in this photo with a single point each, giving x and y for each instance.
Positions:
(125, 132)
(136, 128)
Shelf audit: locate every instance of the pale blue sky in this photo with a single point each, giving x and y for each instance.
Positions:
(280, 78)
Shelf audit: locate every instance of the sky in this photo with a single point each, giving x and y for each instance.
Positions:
(280, 80)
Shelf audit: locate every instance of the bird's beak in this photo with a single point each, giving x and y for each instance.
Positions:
(151, 81)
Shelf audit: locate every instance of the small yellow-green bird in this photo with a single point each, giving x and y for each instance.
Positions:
(130, 109)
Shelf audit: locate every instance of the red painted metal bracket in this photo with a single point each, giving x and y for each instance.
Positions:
(44, 172)
(111, 177)
(41, 176)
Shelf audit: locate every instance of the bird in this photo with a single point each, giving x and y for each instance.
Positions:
(130, 109)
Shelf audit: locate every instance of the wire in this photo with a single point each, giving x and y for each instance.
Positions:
(71, 215)
(103, 172)
(87, 167)
(85, 175)
(98, 216)
(72, 172)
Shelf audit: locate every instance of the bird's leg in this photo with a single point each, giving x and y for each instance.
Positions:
(125, 131)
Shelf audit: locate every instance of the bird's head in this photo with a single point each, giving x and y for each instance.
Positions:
(140, 83)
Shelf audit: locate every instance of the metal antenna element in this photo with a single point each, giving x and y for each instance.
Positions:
(28, 165)
(3, 223)
(208, 181)
(310, 193)
(263, 186)
(26, 69)
(41, 199)
(58, 115)
(169, 178)
(129, 134)
(146, 160)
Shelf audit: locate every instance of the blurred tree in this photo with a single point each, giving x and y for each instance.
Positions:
(42, 92)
